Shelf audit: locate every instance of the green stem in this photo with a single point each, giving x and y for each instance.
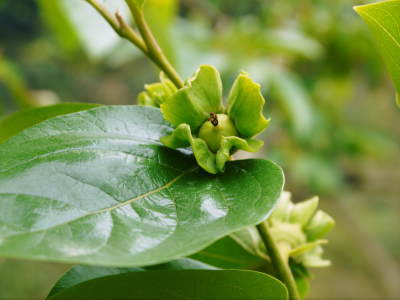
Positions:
(279, 263)
(154, 50)
(146, 42)
(119, 26)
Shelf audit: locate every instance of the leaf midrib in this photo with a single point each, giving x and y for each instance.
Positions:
(77, 149)
(107, 209)
(383, 28)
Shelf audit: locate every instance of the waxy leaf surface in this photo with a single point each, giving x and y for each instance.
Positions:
(12, 124)
(79, 273)
(97, 187)
(182, 284)
(383, 18)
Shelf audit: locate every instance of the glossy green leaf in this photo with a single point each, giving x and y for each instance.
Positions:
(79, 274)
(245, 106)
(97, 187)
(193, 104)
(183, 284)
(11, 125)
(383, 18)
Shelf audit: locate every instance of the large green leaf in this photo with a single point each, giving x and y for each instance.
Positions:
(182, 284)
(383, 18)
(11, 125)
(97, 187)
(79, 274)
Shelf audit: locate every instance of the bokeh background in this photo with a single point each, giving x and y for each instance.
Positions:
(335, 126)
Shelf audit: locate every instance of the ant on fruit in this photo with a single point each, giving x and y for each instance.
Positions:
(213, 119)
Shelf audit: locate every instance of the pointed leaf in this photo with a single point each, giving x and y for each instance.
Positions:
(23, 119)
(183, 284)
(193, 104)
(383, 19)
(97, 187)
(245, 106)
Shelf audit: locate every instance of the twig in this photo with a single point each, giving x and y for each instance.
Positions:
(145, 41)
(156, 54)
(280, 264)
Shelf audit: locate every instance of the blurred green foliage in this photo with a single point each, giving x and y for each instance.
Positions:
(334, 125)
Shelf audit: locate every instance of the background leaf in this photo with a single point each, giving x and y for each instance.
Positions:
(78, 274)
(183, 284)
(97, 187)
(226, 253)
(21, 120)
(286, 88)
(383, 18)
(53, 14)
(13, 80)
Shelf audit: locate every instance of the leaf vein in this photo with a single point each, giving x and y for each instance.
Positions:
(155, 191)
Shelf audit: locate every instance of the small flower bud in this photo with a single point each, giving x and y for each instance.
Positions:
(319, 225)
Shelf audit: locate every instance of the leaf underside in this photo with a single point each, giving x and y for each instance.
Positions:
(97, 187)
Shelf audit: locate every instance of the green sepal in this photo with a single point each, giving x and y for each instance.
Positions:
(302, 212)
(230, 144)
(211, 162)
(157, 93)
(245, 106)
(319, 225)
(192, 104)
(306, 247)
(182, 137)
(281, 211)
(313, 258)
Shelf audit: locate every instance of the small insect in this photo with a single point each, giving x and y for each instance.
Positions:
(213, 119)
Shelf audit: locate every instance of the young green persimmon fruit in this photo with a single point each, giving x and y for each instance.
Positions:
(212, 130)
(215, 129)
